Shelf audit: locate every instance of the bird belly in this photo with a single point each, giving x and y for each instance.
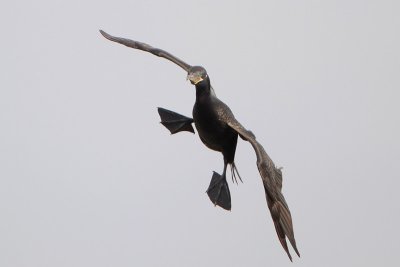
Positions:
(211, 139)
(215, 134)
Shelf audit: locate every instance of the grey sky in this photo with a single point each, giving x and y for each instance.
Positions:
(88, 177)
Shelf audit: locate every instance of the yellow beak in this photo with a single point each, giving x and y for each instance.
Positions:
(194, 78)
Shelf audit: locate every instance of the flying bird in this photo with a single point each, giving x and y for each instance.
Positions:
(219, 130)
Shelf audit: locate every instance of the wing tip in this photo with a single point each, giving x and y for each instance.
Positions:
(285, 247)
(296, 250)
(290, 256)
(103, 32)
(293, 243)
(106, 35)
(284, 227)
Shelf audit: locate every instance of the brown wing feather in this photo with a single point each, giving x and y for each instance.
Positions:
(272, 181)
(145, 47)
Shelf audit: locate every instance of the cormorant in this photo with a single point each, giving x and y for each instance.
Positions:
(219, 130)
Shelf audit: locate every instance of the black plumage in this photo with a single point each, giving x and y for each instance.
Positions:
(219, 130)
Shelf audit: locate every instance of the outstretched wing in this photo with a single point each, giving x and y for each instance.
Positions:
(272, 180)
(145, 47)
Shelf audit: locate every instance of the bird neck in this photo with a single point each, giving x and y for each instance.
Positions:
(203, 89)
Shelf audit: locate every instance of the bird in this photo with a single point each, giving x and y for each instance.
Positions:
(219, 130)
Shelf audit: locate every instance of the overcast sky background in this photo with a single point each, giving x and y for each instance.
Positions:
(88, 176)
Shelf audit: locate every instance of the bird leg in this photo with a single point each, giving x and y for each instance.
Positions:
(175, 122)
(218, 191)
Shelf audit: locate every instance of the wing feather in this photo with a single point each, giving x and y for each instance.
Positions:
(145, 47)
(272, 181)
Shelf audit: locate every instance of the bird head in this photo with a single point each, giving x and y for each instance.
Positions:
(196, 74)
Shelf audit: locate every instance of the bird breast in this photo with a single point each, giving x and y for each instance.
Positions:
(213, 131)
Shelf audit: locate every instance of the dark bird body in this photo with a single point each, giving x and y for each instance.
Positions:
(219, 130)
(214, 132)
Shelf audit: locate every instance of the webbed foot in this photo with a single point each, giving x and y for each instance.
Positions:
(218, 191)
(175, 122)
